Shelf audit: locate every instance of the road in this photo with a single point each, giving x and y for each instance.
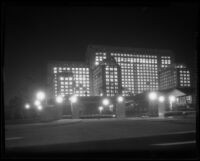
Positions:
(157, 137)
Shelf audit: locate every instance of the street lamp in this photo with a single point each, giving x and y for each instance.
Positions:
(59, 99)
(73, 99)
(37, 103)
(161, 106)
(120, 99)
(100, 109)
(105, 101)
(111, 107)
(40, 95)
(171, 100)
(152, 103)
(39, 107)
(27, 106)
(161, 99)
(153, 96)
(74, 109)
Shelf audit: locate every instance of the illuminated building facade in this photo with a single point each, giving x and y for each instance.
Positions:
(106, 78)
(174, 76)
(139, 67)
(67, 78)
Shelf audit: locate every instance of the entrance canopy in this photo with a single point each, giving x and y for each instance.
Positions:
(173, 92)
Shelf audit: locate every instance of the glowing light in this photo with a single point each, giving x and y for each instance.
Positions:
(172, 98)
(100, 108)
(120, 99)
(39, 107)
(111, 107)
(40, 95)
(96, 63)
(105, 102)
(27, 106)
(37, 103)
(152, 96)
(73, 99)
(59, 99)
(161, 99)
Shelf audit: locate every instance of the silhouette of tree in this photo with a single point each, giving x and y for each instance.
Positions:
(16, 107)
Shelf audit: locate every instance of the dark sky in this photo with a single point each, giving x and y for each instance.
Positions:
(36, 34)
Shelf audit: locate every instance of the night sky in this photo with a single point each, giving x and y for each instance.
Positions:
(36, 34)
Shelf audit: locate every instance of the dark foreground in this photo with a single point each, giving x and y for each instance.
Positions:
(106, 138)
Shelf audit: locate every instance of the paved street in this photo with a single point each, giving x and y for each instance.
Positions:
(107, 135)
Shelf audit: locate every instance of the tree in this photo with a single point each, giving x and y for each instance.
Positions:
(16, 107)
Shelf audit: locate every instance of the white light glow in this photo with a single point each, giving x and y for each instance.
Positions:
(111, 107)
(105, 102)
(40, 95)
(172, 98)
(161, 99)
(27, 106)
(100, 108)
(59, 99)
(152, 96)
(120, 99)
(39, 107)
(37, 103)
(73, 99)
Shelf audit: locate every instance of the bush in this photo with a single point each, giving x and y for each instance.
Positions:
(174, 113)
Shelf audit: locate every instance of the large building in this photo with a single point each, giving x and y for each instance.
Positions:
(106, 78)
(67, 78)
(139, 66)
(109, 71)
(174, 76)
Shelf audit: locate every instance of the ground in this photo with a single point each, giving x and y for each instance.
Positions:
(147, 135)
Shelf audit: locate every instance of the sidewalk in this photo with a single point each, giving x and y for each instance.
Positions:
(57, 122)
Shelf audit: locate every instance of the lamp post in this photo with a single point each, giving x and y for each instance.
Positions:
(59, 99)
(120, 107)
(41, 96)
(38, 105)
(27, 106)
(161, 106)
(100, 109)
(171, 100)
(152, 102)
(105, 102)
(120, 99)
(75, 111)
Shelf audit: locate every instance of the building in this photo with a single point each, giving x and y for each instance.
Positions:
(174, 76)
(176, 80)
(109, 71)
(139, 66)
(106, 78)
(67, 78)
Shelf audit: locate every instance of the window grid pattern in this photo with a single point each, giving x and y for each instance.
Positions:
(147, 77)
(76, 83)
(168, 79)
(99, 57)
(147, 74)
(165, 61)
(111, 80)
(184, 78)
(98, 81)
